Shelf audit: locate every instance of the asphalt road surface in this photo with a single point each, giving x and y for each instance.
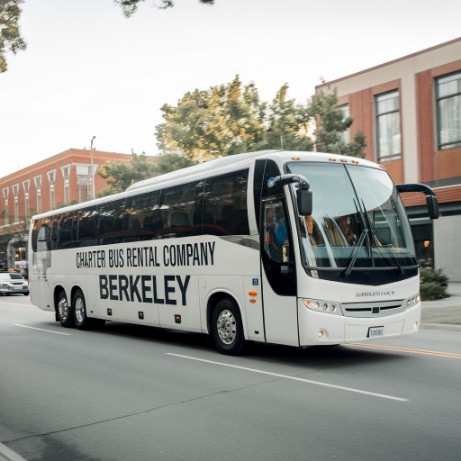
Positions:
(136, 393)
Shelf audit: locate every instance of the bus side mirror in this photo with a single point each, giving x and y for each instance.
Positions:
(304, 200)
(431, 198)
(432, 206)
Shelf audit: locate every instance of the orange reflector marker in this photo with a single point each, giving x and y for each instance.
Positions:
(295, 158)
(252, 301)
(332, 159)
(344, 160)
(253, 293)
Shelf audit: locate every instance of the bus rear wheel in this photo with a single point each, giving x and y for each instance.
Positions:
(64, 311)
(227, 328)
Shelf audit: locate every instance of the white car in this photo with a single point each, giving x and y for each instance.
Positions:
(12, 282)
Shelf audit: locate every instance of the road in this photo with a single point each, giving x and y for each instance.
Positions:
(136, 393)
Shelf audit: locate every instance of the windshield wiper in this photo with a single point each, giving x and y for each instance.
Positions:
(375, 234)
(355, 253)
(364, 235)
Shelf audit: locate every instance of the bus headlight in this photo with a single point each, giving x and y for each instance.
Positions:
(412, 301)
(329, 307)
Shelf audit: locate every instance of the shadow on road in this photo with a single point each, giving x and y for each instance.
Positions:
(316, 357)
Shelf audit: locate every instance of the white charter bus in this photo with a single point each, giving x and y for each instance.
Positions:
(293, 248)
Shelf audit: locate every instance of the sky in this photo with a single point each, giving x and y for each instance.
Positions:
(90, 71)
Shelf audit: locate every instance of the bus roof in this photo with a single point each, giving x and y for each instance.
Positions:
(238, 161)
(211, 168)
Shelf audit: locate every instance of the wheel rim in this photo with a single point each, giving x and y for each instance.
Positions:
(226, 327)
(63, 308)
(79, 310)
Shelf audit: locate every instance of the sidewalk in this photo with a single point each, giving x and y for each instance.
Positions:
(444, 313)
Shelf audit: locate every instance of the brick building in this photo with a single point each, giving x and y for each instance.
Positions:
(59, 180)
(410, 112)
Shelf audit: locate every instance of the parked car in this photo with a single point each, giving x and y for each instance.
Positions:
(12, 282)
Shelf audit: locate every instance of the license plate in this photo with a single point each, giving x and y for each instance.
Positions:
(375, 331)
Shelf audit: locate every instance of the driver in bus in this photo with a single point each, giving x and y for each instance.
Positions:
(345, 224)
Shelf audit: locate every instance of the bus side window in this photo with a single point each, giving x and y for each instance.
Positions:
(226, 203)
(142, 216)
(110, 222)
(87, 220)
(65, 231)
(177, 207)
(41, 236)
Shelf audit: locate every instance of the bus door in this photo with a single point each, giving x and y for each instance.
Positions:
(278, 273)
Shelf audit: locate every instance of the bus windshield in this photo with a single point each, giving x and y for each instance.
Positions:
(358, 224)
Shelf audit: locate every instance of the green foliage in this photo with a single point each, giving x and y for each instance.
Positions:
(223, 120)
(330, 125)
(433, 284)
(10, 38)
(170, 162)
(130, 6)
(287, 125)
(230, 119)
(120, 175)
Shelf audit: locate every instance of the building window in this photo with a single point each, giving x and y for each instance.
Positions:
(38, 188)
(16, 202)
(345, 135)
(25, 186)
(84, 185)
(448, 103)
(65, 174)
(6, 210)
(388, 126)
(51, 181)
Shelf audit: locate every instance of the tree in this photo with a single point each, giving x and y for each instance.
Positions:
(10, 38)
(287, 124)
(130, 6)
(170, 162)
(230, 119)
(120, 175)
(223, 120)
(331, 124)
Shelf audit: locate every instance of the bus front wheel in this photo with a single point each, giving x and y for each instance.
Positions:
(64, 311)
(227, 328)
(82, 321)
(79, 308)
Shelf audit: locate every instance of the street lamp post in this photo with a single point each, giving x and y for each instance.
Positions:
(92, 169)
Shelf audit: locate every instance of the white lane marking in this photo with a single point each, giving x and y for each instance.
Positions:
(9, 455)
(294, 378)
(41, 329)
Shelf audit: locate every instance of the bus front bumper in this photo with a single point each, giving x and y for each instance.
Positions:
(319, 328)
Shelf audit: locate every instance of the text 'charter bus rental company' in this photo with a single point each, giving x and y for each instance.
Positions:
(291, 248)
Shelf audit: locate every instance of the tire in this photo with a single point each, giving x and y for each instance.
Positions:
(81, 320)
(227, 328)
(64, 311)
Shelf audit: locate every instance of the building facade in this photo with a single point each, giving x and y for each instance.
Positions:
(66, 178)
(410, 112)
